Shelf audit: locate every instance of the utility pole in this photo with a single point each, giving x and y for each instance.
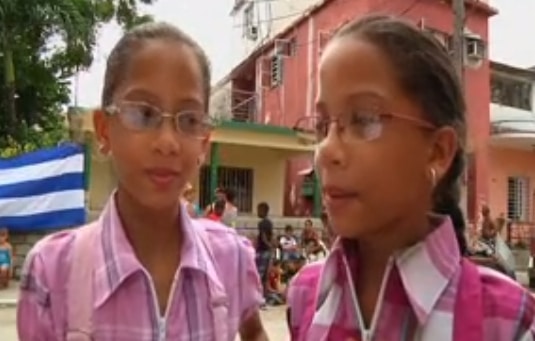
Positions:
(459, 19)
(458, 42)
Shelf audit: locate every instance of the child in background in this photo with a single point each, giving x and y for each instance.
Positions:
(145, 270)
(188, 197)
(216, 213)
(391, 137)
(275, 288)
(6, 258)
(289, 246)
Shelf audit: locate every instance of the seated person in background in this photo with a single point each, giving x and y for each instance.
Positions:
(311, 242)
(289, 246)
(6, 259)
(217, 212)
(276, 291)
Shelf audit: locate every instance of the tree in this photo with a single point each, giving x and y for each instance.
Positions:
(43, 43)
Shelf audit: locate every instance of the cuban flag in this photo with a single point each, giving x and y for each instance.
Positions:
(43, 190)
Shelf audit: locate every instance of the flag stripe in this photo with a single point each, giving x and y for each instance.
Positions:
(45, 221)
(43, 170)
(63, 182)
(43, 190)
(40, 156)
(55, 201)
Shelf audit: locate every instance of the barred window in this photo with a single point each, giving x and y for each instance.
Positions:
(518, 199)
(240, 180)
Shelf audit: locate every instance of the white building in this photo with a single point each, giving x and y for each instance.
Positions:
(257, 21)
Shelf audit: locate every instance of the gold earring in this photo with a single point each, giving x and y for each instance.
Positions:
(433, 175)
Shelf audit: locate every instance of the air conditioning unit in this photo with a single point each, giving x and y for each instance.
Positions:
(475, 48)
(283, 47)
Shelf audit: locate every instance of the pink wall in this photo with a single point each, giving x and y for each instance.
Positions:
(504, 163)
(293, 99)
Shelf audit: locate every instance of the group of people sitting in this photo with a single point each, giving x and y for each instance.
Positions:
(291, 254)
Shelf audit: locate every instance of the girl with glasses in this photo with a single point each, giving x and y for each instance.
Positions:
(145, 270)
(390, 128)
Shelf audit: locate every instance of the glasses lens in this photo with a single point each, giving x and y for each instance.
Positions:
(139, 116)
(193, 123)
(364, 124)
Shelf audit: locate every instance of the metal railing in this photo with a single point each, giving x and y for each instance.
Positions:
(234, 104)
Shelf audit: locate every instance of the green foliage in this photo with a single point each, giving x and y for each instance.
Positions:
(43, 43)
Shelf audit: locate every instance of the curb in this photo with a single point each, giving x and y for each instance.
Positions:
(8, 303)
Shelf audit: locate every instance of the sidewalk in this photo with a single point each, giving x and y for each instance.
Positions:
(9, 296)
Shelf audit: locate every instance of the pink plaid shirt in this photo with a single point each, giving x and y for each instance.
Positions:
(418, 297)
(125, 307)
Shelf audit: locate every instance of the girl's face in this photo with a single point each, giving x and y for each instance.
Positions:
(154, 162)
(376, 153)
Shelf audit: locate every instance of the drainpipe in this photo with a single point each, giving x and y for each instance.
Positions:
(214, 166)
(318, 205)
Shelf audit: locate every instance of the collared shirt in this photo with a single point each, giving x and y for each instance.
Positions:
(417, 296)
(125, 304)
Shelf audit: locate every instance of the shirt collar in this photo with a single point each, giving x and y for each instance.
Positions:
(426, 268)
(117, 260)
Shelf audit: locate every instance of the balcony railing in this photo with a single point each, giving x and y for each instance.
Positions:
(516, 126)
(234, 104)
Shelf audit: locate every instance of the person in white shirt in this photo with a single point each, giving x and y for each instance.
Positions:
(289, 245)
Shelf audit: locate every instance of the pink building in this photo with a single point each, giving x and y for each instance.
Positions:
(278, 82)
(512, 152)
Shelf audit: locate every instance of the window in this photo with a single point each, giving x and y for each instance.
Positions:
(511, 92)
(518, 198)
(240, 180)
(250, 30)
(277, 67)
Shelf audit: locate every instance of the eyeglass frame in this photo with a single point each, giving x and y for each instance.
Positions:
(115, 110)
(382, 116)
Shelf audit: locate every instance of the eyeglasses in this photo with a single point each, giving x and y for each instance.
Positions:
(359, 124)
(143, 117)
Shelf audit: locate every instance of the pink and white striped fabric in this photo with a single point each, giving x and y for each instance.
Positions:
(124, 300)
(420, 293)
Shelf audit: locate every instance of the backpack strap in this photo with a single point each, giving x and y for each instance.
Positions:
(219, 299)
(80, 284)
(468, 309)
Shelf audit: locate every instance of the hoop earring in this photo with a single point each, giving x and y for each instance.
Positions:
(102, 149)
(433, 175)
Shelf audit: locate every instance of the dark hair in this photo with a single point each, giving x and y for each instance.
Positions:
(118, 60)
(230, 194)
(426, 72)
(219, 206)
(288, 228)
(263, 207)
(309, 221)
